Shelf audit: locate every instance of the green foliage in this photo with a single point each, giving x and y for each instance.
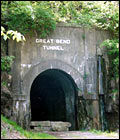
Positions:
(28, 134)
(42, 16)
(44, 23)
(4, 83)
(115, 91)
(106, 133)
(19, 15)
(24, 16)
(113, 54)
(3, 133)
(6, 62)
(99, 14)
(14, 34)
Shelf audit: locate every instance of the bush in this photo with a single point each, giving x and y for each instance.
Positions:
(113, 54)
(24, 17)
(6, 63)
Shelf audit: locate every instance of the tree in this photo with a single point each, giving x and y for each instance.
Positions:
(27, 17)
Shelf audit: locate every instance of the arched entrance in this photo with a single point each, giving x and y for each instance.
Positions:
(53, 97)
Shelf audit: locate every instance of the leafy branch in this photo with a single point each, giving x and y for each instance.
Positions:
(14, 34)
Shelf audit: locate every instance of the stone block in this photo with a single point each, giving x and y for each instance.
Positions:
(40, 123)
(60, 126)
(66, 124)
(42, 128)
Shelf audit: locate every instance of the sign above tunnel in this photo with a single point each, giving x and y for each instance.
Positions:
(49, 43)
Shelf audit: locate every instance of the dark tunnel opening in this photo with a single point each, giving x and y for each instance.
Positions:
(53, 97)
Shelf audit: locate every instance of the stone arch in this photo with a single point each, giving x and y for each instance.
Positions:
(40, 67)
(36, 69)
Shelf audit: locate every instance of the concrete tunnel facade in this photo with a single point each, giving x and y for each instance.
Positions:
(66, 62)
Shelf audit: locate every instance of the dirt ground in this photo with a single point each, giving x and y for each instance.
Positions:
(82, 135)
(8, 132)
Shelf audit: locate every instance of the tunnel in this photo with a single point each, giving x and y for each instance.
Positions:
(53, 97)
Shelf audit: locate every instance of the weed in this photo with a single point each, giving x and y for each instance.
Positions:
(3, 133)
(27, 134)
(106, 133)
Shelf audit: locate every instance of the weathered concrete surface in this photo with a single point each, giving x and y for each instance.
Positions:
(78, 58)
(41, 123)
(50, 126)
(88, 114)
(60, 126)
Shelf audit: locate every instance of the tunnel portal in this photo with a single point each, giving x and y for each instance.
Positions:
(57, 77)
(52, 97)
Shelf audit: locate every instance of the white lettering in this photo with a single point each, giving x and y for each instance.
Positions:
(53, 48)
(48, 41)
(57, 41)
(38, 40)
(44, 40)
(51, 40)
(44, 47)
(60, 41)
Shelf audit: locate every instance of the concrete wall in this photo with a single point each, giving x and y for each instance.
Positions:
(77, 57)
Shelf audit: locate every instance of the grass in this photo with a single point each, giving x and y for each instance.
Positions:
(3, 133)
(100, 132)
(27, 134)
(106, 133)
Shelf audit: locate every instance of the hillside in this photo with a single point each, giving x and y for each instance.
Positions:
(10, 130)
